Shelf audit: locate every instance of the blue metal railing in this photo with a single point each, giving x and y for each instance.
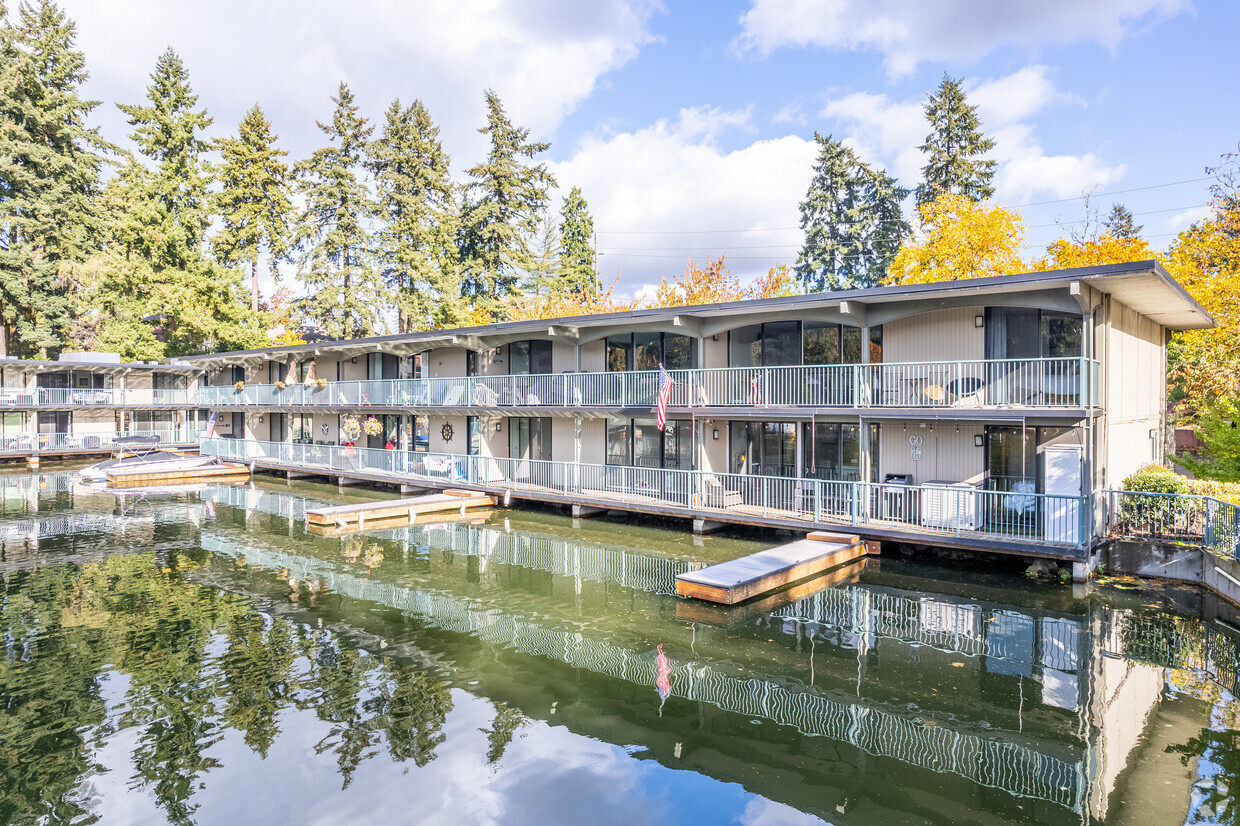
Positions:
(1188, 519)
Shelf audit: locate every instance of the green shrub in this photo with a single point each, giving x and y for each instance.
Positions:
(1152, 511)
(1227, 491)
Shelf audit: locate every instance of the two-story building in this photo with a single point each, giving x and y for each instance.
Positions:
(82, 402)
(984, 413)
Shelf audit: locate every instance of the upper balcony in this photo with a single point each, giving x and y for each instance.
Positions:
(1056, 383)
(77, 397)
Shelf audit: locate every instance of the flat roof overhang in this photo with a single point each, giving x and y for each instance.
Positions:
(1142, 285)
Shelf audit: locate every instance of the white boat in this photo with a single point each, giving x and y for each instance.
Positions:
(138, 454)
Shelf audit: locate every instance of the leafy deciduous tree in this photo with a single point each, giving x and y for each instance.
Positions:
(960, 238)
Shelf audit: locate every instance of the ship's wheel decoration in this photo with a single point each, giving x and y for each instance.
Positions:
(446, 432)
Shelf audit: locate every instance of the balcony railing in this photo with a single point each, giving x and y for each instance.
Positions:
(94, 397)
(1059, 382)
(30, 443)
(926, 509)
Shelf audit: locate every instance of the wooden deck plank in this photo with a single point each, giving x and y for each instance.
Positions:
(215, 473)
(749, 576)
(731, 616)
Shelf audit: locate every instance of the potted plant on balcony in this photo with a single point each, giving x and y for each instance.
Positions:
(239, 386)
(320, 384)
(372, 426)
(280, 385)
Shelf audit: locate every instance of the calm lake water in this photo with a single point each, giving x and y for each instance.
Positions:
(198, 657)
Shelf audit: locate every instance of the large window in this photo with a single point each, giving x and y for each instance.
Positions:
(833, 451)
(645, 351)
(303, 428)
(1018, 333)
(792, 343)
(1013, 455)
(529, 358)
(764, 448)
(473, 426)
(640, 443)
(529, 438)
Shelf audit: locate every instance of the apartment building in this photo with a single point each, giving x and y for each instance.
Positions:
(984, 413)
(82, 402)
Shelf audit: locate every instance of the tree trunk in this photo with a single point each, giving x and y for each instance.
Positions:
(254, 284)
(347, 331)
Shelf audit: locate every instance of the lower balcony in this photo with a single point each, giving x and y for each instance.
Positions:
(1013, 520)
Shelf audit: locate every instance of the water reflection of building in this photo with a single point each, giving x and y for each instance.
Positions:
(1055, 708)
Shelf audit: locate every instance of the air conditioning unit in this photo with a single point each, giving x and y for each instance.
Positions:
(949, 505)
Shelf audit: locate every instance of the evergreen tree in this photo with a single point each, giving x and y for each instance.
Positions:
(505, 202)
(417, 253)
(543, 272)
(254, 201)
(1120, 224)
(49, 177)
(954, 146)
(335, 240)
(577, 270)
(152, 292)
(852, 221)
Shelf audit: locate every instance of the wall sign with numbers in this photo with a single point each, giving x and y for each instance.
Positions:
(914, 447)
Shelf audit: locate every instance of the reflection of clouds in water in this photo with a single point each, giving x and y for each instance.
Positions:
(763, 812)
(548, 775)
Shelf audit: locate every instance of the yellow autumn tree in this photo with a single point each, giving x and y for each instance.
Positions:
(566, 304)
(1105, 249)
(960, 238)
(710, 284)
(1205, 259)
(777, 283)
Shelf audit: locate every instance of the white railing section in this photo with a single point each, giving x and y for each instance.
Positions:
(925, 509)
(95, 397)
(1057, 382)
(30, 443)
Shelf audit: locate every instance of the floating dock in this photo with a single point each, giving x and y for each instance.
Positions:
(450, 501)
(476, 516)
(732, 616)
(225, 472)
(750, 576)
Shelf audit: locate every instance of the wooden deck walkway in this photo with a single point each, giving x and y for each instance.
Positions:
(731, 616)
(450, 501)
(749, 576)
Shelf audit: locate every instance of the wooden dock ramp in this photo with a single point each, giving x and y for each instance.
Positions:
(475, 516)
(450, 501)
(750, 576)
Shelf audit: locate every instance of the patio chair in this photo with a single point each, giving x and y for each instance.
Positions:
(717, 496)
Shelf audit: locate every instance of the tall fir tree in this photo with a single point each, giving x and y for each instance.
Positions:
(1119, 224)
(49, 177)
(335, 240)
(954, 147)
(416, 249)
(153, 292)
(254, 200)
(578, 274)
(852, 221)
(543, 272)
(505, 201)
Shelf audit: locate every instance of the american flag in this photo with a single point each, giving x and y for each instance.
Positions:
(665, 393)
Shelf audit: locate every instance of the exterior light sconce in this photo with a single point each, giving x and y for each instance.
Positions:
(1153, 433)
(715, 434)
(979, 321)
(977, 440)
(260, 419)
(498, 426)
(715, 337)
(353, 360)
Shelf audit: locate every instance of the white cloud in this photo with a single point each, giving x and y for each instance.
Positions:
(668, 191)
(290, 56)
(789, 113)
(888, 132)
(1181, 221)
(909, 32)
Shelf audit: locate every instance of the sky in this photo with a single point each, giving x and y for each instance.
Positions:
(689, 126)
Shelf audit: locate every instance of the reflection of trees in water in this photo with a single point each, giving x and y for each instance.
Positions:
(197, 661)
(503, 726)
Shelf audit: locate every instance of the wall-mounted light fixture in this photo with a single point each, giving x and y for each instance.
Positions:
(498, 425)
(353, 360)
(979, 321)
(260, 419)
(715, 434)
(1153, 433)
(978, 440)
(715, 337)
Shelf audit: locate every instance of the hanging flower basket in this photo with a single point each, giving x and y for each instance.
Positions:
(350, 428)
(280, 385)
(372, 426)
(320, 384)
(239, 386)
